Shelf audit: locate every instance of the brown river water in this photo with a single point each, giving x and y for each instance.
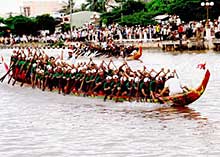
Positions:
(44, 124)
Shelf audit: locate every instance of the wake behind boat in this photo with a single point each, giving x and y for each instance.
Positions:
(102, 81)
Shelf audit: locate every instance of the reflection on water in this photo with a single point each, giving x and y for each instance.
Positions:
(175, 112)
(161, 113)
(36, 123)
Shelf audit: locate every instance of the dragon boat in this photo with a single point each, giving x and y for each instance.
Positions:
(182, 99)
(136, 55)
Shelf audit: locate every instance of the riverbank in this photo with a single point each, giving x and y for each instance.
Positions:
(170, 45)
(30, 44)
(167, 45)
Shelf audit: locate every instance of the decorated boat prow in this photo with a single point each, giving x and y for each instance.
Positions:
(187, 97)
(136, 55)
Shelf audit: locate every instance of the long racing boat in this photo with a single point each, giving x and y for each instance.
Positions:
(93, 81)
(182, 99)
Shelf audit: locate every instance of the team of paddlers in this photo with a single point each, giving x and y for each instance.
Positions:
(109, 49)
(88, 79)
(97, 49)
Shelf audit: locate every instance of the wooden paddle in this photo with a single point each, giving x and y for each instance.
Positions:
(67, 87)
(28, 68)
(4, 76)
(82, 82)
(13, 65)
(111, 61)
(45, 80)
(130, 92)
(93, 83)
(137, 92)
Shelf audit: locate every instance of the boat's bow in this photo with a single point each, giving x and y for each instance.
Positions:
(188, 97)
(137, 54)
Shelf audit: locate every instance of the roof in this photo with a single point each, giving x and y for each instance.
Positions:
(2, 25)
(161, 17)
(82, 17)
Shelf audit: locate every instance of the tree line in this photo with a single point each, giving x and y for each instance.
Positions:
(20, 25)
(133, 12)
(137, 12)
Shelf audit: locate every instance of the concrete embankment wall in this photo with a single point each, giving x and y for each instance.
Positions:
(212, 44)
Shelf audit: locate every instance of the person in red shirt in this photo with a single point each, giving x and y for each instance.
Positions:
(180, 31)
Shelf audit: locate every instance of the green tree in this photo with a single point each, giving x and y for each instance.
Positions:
(124, 13)
(2, 29)
(65, 27)
(66, 8)
(1, 19)
(46, 22)
(187, 9)
(135, 12)
(21, 25)
(139, 18)
(96, 5)
(83, 7)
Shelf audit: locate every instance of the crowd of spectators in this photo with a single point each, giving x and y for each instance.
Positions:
(172, 29)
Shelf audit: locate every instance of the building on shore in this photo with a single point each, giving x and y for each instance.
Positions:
(33, 8)
(82, 17)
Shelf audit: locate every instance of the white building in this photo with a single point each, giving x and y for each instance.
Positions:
(35, 8)
(82, 17)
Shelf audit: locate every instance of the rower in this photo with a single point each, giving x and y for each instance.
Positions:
(98, 82)
(130, 86)
(144, 86)
(70, 58)
(153, 84)
(173, 85)
(116, 85)
(52, 61)
(66, 80)
(56, 78)
(123, 86)
(107, 87)
(137, 81)
(89, 78)
(48, 77)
